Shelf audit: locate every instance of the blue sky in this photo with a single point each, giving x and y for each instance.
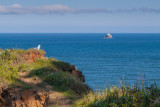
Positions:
(79, 16)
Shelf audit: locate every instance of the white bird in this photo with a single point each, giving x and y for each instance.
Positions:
(38, 48)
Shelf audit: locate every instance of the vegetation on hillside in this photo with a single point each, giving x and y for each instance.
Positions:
(7, 69)
(49, 70)
(122, 96)
(57, 74)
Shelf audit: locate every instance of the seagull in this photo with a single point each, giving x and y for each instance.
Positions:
(38, 48)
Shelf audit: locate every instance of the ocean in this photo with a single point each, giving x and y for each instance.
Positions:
(104, 62)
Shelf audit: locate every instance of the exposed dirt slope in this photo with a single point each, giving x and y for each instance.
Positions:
(41, 95)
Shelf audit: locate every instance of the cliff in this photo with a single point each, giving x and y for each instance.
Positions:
(29, 79)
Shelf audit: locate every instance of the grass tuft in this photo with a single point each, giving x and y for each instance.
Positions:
(122, 97)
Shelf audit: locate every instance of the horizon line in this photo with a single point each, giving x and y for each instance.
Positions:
(67, 32)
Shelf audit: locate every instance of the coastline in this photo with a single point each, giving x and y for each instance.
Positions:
(30, 79)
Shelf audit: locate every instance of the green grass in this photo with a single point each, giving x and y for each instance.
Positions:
(11, 62)
(60, 80)
(18, 83)
(124, 96)
(7, 70)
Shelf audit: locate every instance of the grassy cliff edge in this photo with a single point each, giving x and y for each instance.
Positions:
(30, 69)
(26, 74)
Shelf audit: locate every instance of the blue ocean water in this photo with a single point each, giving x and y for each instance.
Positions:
(103, 62)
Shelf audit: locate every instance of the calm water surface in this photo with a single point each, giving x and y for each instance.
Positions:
(102, 61)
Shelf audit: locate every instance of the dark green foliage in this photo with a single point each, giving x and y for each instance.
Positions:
(63, 66)
(61, 81)
(66, 81)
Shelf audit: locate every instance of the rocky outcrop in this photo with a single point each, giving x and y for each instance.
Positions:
(23, 98)
(78, 74)
(66, 67)
(32, 56)
(74, 71)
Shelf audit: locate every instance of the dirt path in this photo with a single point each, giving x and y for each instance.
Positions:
(56, 99)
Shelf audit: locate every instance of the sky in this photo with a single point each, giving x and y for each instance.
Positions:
(79, 16)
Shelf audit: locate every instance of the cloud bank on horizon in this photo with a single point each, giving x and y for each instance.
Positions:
(62, 9)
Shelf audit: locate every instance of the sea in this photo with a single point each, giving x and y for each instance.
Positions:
(132, 58)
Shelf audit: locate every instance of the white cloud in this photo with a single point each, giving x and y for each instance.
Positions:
(16, 6)
(18, 9)
(62, 9)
